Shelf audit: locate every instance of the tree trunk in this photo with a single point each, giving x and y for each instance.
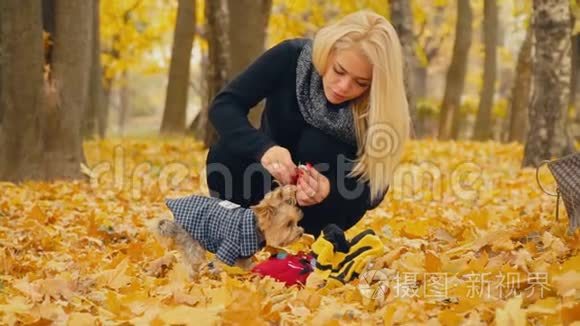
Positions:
(457, 122)
(424, 119)
(91, 119)
(199, 123)
(103, 115)
(402, 19)
(124, 103)
(457, 69)
(483, 125)
(574, 78)
(420, 76)
(248, 17)
(521, 91)
(246, 50)
(108, 91)
(21, 62)
(2, 55)
(177, 88)
(67, 92)
(564, 143)
(48, 26)
(219, 58)
(574, 71)
(564, 139)
(551, 79)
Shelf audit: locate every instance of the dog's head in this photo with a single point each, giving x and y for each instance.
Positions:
(278, 216)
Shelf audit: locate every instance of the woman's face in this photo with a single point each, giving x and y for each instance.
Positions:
(347, 77)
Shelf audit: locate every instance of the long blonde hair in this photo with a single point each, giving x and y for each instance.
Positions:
(381, 115)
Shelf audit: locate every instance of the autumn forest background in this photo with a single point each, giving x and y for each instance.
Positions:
(103, 115)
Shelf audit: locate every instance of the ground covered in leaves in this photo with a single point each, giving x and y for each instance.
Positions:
(469, 236)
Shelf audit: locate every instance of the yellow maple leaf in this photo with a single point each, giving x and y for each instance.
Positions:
(413, 262)
(37, 214)
(546, 306)
(570, 313)
(432, 262)
(186, 315)
(416, 229)
(244, 308)
(81, 319)
(511, 314)
(179, 297)
(450, 317)
(17, 304)
(115, 278)
(571, 264)
(567, 284)
(521, 258)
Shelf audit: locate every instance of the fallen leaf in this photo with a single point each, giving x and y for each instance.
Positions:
(547, 306)
(570, 313)
(81, 319)
(521, 258)
(567, 284)
(183, 298)
(432, 262)
(511, 314)
(187, 315)
(115, 278)
(159, 266)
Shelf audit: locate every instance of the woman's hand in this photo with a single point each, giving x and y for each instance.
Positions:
(278, 162)
(313, 187)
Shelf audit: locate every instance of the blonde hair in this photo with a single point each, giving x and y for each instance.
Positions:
(381, 115)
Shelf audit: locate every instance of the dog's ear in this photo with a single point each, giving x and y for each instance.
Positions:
(290, 194)
(277, 183)
(275, 194)
(284, 193)
(264, 213)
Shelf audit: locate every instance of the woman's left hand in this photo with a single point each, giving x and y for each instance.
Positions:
(312, 187)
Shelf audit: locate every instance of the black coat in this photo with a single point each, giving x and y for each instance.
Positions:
(273, 77)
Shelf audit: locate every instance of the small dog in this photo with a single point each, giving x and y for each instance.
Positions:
(233, 233)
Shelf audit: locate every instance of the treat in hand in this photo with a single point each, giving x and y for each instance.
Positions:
(300, 170)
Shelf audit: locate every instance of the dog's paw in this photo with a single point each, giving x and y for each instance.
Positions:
(194, 273)
(213, 269)
(245, 264)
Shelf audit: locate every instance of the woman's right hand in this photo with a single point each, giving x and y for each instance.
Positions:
(278, 161)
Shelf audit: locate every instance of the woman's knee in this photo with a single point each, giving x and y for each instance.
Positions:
(336, 210)
(314, 223)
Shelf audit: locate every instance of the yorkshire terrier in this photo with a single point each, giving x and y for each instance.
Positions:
(231, 232)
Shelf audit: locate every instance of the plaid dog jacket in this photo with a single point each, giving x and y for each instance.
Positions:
(221, 227)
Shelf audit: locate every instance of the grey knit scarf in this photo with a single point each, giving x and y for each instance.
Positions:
(336, 121)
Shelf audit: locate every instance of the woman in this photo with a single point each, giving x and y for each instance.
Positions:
(337, 102)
